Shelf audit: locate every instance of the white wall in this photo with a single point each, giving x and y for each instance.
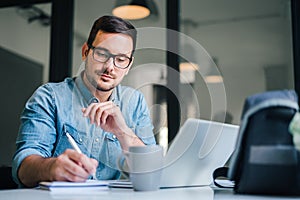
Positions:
(29, 40)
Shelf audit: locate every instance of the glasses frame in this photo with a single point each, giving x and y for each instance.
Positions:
(110, 55)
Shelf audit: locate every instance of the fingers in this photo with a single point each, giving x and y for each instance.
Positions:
(87, 110)
(98, 112)
(73, 166)
(107, 111)
(86, 163)
(106, 115)
(69, 170)
(94, 161)
(103, 112)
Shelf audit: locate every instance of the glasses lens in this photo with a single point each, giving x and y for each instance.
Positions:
(121, 61)
(101, 55)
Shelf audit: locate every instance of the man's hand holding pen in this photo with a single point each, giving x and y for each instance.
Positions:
(73, 166)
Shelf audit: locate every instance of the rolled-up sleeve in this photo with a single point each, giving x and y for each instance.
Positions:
(37, 130)
(144, 126)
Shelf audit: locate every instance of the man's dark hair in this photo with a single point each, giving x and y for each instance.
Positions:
(112, 24)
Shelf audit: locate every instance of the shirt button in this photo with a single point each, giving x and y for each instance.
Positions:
(114, 136)
(95, 101)
(97, 139)
(80, 140)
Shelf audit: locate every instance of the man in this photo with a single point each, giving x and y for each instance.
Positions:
(102, 116)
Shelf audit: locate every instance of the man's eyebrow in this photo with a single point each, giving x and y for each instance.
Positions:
(121, 54)
(102, 48)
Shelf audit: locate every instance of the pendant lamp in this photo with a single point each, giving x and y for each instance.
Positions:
(134, 10)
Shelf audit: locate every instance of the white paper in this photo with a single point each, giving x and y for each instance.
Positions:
(74, 187)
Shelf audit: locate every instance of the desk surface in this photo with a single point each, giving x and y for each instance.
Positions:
(201, 193)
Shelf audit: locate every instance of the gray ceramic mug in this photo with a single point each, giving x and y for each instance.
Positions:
(145, 165)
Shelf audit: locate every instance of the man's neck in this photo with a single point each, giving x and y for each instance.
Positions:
(101, 95)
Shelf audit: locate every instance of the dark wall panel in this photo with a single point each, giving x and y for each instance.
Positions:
(19, 78)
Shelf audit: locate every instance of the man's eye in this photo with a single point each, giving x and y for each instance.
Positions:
(101, 54)
(121, 58)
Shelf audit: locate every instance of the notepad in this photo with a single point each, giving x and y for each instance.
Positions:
(74, 187)
(120, 184)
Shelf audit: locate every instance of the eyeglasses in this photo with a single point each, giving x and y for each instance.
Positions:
(103, 55)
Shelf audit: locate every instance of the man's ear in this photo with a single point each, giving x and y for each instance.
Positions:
(84, 51)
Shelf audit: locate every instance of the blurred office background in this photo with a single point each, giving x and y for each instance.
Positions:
(250, 42)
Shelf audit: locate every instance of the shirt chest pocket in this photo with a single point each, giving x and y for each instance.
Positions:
(112, 150)
(79, 137)
(112, 143)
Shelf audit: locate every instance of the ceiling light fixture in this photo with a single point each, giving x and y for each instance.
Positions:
(213, 75)
(188, 61)
(136, 9)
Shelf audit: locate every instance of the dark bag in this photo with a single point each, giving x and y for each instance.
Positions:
(265, 160)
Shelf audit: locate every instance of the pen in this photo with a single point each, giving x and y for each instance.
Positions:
(75, 146)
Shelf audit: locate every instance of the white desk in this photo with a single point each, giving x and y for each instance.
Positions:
(204, 193)
(226, 194)
(197, 193)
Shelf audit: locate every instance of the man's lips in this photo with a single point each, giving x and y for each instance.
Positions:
(106, 76)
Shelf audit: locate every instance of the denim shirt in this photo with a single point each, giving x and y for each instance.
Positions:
(55, 109)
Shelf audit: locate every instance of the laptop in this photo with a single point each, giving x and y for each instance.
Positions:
(198, 149)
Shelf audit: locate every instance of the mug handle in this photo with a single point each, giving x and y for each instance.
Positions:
(122, 165)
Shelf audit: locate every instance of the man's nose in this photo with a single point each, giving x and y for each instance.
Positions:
(109, 64)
